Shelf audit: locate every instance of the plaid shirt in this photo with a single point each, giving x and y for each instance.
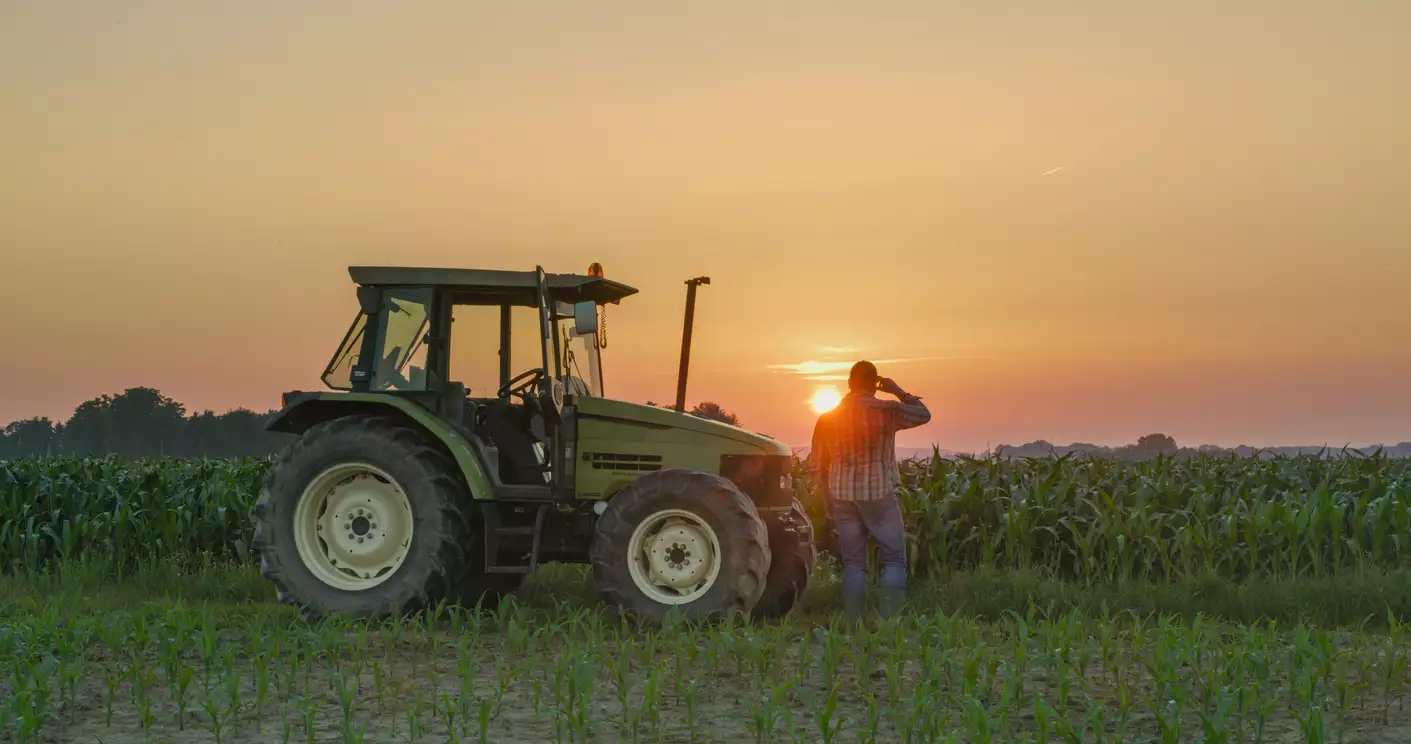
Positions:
(854, 445)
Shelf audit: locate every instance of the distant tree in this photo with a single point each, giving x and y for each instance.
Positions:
(29, 437)
(1157, 444)
(1039, 448)
(237, 433)
(91, 429)
(706, 410)
(139, 421)
(713, 411)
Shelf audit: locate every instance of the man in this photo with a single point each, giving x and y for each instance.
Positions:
(854, 462)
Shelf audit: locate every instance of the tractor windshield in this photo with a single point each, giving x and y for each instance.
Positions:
(339, 373)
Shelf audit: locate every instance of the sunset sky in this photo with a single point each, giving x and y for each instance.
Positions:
(1050, 222)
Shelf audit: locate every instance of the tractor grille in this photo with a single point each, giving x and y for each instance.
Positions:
(766, 479)
(620, 462)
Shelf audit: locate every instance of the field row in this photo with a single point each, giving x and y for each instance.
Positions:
(176, 673)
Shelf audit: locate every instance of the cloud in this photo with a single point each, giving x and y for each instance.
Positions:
(909, 360)
(1050, 171)
(816, 370)
(812, 367)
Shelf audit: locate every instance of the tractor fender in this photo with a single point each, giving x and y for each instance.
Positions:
(303, 410)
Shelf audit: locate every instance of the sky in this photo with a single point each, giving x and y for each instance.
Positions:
(1069, 221)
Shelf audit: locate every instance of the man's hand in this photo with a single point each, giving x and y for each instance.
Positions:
(888, 385)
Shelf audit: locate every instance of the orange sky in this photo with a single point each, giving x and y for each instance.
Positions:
(1078, 225)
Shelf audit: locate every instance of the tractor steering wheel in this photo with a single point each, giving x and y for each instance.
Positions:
(522, 384)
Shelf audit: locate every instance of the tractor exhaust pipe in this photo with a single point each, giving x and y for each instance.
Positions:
(691, 285)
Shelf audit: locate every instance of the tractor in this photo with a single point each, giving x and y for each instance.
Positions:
(404, 486)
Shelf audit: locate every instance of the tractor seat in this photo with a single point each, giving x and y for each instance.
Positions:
(453, 405)
(511, 428)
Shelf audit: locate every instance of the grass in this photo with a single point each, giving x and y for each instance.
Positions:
(202, 653)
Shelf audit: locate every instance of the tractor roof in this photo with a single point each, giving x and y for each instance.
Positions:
(563, 287)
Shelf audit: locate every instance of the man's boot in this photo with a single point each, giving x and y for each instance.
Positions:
(853, 606)
(891, 601)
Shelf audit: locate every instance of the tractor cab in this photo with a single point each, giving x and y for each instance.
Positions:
(401, 343)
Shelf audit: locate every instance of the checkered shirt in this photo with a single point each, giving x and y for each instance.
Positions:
(854, 445)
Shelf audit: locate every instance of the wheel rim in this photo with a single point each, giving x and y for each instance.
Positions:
(674, 556)
(353, 526)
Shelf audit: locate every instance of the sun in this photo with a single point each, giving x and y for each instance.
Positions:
(824, 399)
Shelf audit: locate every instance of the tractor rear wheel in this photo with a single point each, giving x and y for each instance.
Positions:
(792, 560)
(361, 515)
(684, 540)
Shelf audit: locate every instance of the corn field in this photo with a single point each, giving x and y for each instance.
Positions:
(125, 512)
(1100, 519)
(1090, 520)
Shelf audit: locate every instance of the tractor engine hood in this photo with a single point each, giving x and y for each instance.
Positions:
(667, 419)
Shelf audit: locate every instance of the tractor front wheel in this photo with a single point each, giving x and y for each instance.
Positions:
(683, 540)
(361, 516)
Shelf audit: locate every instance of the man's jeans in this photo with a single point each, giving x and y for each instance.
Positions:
(881, 518)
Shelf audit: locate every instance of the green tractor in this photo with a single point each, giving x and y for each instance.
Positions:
(405, 487)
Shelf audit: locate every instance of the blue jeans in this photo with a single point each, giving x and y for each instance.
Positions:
(881, 519)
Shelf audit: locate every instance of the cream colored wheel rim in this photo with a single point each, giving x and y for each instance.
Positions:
(353, 526)
(674, 557)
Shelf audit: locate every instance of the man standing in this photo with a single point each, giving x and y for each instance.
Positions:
(854, 461)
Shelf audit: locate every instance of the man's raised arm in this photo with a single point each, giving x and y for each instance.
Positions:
(912, 412)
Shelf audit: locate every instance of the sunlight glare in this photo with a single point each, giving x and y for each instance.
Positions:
(824, 399)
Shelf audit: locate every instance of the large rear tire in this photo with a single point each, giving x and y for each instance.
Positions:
(680, 540)
(362, 516)
(793, 558)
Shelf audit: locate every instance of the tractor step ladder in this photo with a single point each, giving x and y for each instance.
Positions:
(490, 514)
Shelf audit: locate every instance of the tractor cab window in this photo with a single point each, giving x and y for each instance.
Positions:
(579, 361)
(399, 356)
(475, 346)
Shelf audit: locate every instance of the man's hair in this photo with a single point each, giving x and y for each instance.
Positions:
(863, 377)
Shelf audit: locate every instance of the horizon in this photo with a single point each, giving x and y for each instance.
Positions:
(1071, 224)
(192, 412)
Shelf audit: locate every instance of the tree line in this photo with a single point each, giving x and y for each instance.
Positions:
(1162, 445)
(141, 422)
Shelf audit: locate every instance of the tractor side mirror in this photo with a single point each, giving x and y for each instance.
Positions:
(585, 318)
